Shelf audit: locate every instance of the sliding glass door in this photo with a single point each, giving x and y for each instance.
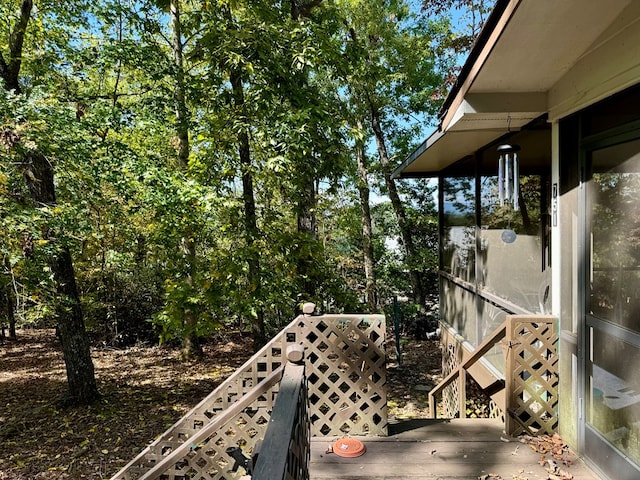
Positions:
(612, 307)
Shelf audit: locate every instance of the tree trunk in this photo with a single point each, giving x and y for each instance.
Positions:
(396, 202)
(10, 310)
(308, 234)
(5, 301)
(306, 208)
(9, 300)
(38, 173)
(191, 347)
(182, 113)
(73, 336)
(367, 233)
(70, 322)
(11, 313)
(250, 217)
(10, 68)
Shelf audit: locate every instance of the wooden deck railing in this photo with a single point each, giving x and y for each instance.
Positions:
(183, 459)
(285, 451)
(346, 378)
(460, 373)
(527, 394)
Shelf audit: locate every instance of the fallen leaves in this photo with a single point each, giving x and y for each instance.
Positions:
(144, 391)
(555, 455)
(554, 470)
(421, 366)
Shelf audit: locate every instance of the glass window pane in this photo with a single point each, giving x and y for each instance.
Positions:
(614, 392)
(492, 318)
(458, 243)
(459, 310)
(615, 235)
(514, 244)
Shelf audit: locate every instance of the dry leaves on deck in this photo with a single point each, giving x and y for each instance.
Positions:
(495, 476)
(555, 454)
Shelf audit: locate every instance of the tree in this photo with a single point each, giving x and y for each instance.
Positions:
(472, 13)
(190, 343)
(306, 207)
(251, 229)
(278, 122)
(210, 170)
(394, 75)
(38, 173)
(367, 230)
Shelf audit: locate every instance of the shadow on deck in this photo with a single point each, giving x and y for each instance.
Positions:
(444, 450)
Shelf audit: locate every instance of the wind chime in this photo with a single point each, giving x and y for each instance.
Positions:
(508, 175)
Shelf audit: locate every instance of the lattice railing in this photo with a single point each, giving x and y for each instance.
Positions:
(345, 364)
(530, 381)
(346, 374)
(451, 358)
(453, 354)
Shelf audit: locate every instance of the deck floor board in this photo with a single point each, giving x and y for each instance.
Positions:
(437, 449)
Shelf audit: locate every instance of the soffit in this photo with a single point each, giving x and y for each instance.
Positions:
(542, 41)
(537, 45)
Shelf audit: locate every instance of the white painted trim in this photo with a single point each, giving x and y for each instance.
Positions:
(556, 231)
(506, 102)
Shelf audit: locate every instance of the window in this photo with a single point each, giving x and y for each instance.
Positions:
(458, 242)
(514, 245)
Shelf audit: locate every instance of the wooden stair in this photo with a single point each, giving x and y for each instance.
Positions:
(526, 395)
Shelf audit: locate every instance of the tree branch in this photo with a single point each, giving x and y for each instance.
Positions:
(302, 9)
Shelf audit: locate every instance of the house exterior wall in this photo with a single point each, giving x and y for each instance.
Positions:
(597, 169)
(495, 259)
(610, 66)
(479, 287)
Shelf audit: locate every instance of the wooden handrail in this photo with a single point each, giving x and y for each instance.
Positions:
(213, 426)
(488, 343)
(274, 453)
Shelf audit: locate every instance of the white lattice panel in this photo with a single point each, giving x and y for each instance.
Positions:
(532, 383)
(451, 358)
(347, 375)
(346, 390)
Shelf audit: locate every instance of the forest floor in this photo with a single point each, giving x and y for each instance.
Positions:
(144, 391)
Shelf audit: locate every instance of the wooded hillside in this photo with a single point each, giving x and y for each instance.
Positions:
(171, 169)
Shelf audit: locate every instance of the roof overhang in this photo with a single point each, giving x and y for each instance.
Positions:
(526, 47)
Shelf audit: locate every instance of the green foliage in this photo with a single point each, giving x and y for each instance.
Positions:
(152, 238)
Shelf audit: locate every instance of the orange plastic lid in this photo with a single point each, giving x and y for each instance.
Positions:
(348, 447)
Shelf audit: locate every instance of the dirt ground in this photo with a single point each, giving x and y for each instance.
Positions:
(144, 391)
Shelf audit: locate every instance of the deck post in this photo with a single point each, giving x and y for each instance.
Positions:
(462, 393)
(285, 450)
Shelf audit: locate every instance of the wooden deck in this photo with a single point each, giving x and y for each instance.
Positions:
(439, 449)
